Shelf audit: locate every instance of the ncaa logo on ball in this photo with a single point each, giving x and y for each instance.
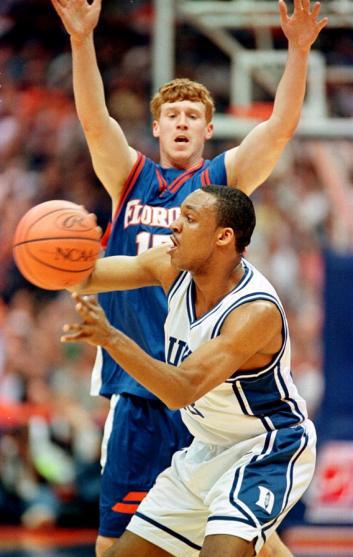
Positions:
(75, 255)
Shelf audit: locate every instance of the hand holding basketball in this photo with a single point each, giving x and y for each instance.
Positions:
(56, 244)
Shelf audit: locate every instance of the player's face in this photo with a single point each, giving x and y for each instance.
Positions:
(194, 233)
(182, 130)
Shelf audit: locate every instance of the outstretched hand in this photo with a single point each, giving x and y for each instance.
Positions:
(303, 26)
(94, 329)
(78, 16)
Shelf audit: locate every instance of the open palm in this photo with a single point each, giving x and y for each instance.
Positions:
(303, 27)
(78, 16)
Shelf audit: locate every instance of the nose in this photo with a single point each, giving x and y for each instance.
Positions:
(176, 225)
(182, 121)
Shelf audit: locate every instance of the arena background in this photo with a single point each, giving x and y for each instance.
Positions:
(50, 428)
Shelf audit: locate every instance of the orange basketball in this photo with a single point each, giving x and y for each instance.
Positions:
(56, 244)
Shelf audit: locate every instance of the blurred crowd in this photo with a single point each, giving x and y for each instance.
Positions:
(50, 428)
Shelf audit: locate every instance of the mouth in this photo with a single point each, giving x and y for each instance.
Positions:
(181, 139)
(173, 244)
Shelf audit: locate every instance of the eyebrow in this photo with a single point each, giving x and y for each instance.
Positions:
(190, 208)
(174, 106)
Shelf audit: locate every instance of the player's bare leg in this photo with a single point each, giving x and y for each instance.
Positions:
(274, 547)
(229, 546)
(130, 544)
(102, 544)
(222, 545)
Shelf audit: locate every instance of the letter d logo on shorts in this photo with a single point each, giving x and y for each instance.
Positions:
(266, 499)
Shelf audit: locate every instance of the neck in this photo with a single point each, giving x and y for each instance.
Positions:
(214, 284)
(179, 162)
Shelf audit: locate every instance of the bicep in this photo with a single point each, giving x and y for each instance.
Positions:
(245, 332)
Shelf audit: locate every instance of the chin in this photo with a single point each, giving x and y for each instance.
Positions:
(181, 157)
(177, 262)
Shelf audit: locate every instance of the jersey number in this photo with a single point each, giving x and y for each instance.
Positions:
(146, 240)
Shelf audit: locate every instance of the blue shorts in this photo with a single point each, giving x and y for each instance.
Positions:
(140, 438)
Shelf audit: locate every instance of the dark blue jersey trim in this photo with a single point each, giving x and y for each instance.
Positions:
(190, 302)
(233, 502)
(292, 463)
(248, 274)
(230, 518)
(167, 530)
(236, 479)
(253, 298)
(288, 399)
(176, 284)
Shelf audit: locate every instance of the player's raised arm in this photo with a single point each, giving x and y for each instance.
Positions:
(253, 161)
(151, 268)
(111, 155)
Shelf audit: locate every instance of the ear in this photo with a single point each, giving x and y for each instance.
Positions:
(209, 131)
(225, 236)
(155, 128)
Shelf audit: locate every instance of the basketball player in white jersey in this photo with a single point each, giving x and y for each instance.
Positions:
(228, 370)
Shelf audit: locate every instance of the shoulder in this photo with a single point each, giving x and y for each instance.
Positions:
(262, 316)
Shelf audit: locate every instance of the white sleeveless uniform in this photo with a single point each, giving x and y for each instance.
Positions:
(254, 450)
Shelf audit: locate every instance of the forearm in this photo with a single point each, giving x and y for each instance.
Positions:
(159, 378)
(291, 91)
(88, 85)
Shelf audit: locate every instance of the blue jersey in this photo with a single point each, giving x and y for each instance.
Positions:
(150, 202)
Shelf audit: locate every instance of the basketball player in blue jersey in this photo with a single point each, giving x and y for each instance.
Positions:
(227, 352)
(145, 200)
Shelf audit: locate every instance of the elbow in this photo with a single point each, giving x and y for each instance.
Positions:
(182, 396)
(176, 402)
(173, 405)
(283, 129)
(289, 133)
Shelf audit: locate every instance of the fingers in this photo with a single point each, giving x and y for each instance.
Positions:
(87, 308)
(301, 6)
(58, 5)
(315, 13)
(77, 332)
(323, 23)
(72, 328)
(316, 9)
(298, 6)
(73, 333)
(84, 301)
(283, 12)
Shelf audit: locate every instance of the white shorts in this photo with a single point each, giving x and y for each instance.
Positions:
(244, 490)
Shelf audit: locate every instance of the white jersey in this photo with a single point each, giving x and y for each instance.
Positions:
(250, 402)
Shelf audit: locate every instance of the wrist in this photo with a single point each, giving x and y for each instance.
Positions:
(110, 338)
(78, 41)
(296, 49)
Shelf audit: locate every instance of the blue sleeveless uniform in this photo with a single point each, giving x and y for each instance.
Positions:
(141, 433)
